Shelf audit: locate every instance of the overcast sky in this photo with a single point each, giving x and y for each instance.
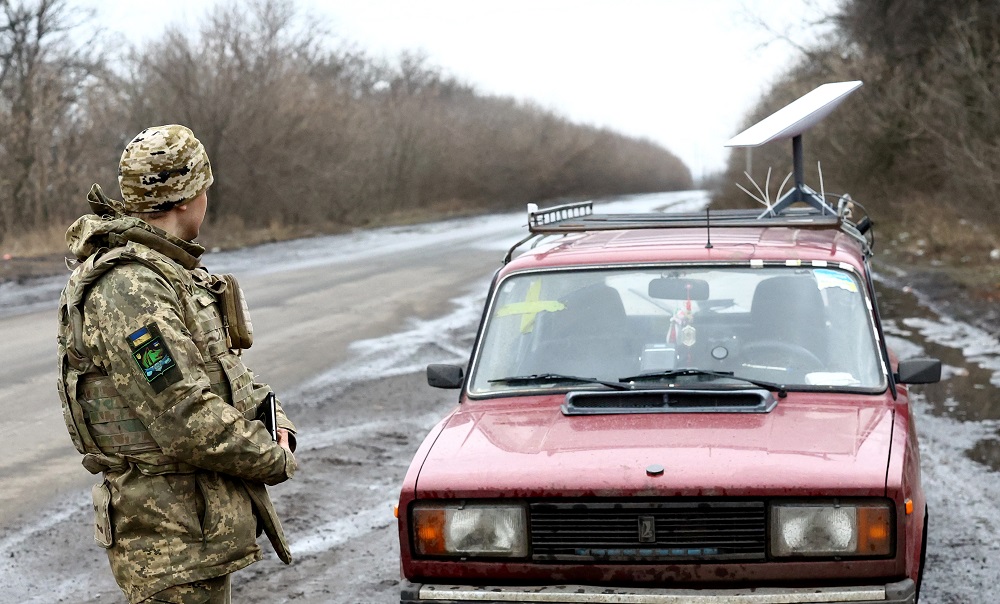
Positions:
(682, 73)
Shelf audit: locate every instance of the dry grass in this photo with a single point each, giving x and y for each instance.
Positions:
(234, 233)
(929, 232)
(929, 235)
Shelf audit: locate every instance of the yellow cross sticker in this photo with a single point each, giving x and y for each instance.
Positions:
(531, 306)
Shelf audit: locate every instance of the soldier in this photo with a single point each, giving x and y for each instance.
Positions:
(154, 392)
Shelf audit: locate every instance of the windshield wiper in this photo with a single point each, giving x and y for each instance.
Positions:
(665, 375)
(557, 377)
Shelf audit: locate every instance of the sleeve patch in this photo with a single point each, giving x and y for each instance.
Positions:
(154, 358)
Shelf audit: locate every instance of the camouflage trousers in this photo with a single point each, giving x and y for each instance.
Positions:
(209, 591)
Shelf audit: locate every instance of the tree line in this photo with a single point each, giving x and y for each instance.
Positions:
(919, 143)
(304, 132)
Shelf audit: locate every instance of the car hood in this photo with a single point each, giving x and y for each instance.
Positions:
(525, 447)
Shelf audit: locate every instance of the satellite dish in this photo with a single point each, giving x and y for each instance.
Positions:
(796, 117)
(790, 122)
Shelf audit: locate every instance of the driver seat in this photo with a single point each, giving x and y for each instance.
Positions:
(790, 309)
(587, 338)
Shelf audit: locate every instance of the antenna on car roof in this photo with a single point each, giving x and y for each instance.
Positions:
(708, 230)
(790, 122)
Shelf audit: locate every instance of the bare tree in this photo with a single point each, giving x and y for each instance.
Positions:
(42, 76)
(303, 134)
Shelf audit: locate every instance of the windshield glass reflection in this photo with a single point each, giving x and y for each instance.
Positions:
(799, 327)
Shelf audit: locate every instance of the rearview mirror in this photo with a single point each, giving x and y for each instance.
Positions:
(445, 376)
(919, 371)
(675, 288)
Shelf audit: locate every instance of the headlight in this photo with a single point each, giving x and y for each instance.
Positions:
(470, 530)
(831, 529)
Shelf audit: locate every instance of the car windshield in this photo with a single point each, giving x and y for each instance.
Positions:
(798, 327)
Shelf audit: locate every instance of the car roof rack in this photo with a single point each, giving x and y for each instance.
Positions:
(788, 122)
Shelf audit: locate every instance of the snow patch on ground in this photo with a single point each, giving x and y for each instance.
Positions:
(963, 499)
(425, 341)
(976, 345)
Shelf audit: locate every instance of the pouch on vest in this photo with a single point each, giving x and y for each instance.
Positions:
(235, 314)
(102, 515)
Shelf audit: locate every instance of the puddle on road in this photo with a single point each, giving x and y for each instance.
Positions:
(969, 390)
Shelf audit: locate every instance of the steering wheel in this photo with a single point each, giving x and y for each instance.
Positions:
(792, 355)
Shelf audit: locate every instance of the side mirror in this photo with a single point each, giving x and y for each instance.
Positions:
(445, 376)
(919, 371)
(671, 288)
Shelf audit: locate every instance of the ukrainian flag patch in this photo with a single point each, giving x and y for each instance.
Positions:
(155, 361)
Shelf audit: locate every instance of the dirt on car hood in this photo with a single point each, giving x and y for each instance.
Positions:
(525, 447)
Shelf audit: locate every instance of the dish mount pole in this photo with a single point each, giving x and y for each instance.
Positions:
(797, 166)
(800, 193)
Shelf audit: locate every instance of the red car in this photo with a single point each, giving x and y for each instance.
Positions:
(674, 408)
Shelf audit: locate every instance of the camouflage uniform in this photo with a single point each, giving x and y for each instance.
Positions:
(156, 396)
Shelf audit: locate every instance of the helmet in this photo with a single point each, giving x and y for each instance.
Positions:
(162, 167)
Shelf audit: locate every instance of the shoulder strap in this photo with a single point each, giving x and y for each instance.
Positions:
(80, 282)
(71, 301)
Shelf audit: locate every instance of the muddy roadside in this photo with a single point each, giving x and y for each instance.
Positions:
(975, 301)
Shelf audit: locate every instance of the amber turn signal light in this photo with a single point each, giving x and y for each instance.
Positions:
(428, 531)
(874, 531)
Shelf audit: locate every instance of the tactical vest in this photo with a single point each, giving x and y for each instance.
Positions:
(101, 424)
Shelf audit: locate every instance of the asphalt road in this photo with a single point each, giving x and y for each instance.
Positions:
(343, 328)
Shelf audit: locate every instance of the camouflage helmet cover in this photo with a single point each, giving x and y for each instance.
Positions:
(162, 167)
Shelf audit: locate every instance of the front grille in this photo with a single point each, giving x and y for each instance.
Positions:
(630, 531)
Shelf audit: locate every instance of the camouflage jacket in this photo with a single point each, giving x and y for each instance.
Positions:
(157, 401)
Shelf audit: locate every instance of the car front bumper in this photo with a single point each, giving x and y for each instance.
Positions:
(903, 592)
